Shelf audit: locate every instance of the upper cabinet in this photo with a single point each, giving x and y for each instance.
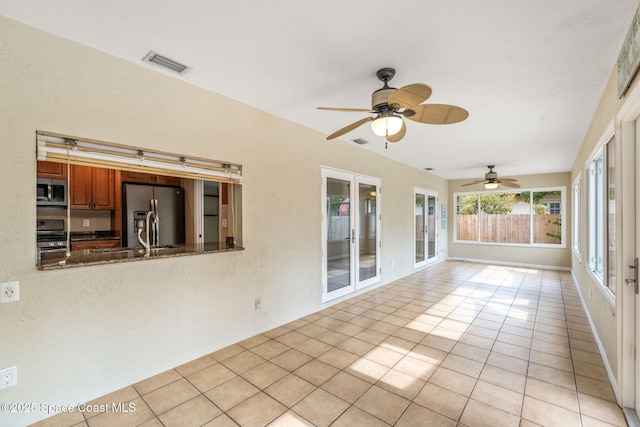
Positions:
(91, 188)
(52, 170)
(145, 178)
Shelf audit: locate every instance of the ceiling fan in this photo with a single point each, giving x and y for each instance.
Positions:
(390, 104)
(491, 180)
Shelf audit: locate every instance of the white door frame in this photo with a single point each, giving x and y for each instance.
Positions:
(628, 381)
(426, 194)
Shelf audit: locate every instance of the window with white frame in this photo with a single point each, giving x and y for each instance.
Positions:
(522, 217)
(575, 204)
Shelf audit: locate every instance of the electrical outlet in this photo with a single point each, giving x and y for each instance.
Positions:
(9, 292)
(258, 303)
(86, 223)
(8, 377)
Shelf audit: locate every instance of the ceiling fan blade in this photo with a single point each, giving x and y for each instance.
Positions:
(508, 179)
(410, 95)
(350, 127)
(354, 110)
(510, 184)
(398, 136)
(477, 181)
(438, 114)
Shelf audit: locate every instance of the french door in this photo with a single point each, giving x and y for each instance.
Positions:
(350, 232)
(425, 242)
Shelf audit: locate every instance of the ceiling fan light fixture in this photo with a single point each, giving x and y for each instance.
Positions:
(386, 125)
(490, 185)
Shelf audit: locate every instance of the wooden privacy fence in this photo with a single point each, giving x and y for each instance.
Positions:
(509, 228)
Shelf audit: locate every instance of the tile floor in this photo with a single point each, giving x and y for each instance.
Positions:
(457, 344)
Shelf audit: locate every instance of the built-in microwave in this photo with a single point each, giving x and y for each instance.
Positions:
(51, 192)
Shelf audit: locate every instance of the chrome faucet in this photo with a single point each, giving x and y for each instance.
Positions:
(152, 226)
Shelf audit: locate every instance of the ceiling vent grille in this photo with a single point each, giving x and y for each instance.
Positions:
(360, 141)
(164, 62)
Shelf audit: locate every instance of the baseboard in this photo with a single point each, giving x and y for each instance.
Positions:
(607, 366)
(511, 264)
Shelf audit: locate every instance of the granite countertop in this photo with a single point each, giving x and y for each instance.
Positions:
(52, 260)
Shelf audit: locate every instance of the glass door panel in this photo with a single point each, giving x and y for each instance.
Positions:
(367, 225)
(431, 228)
(420, 227)
(338, 214)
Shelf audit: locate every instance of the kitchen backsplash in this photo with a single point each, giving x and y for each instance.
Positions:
(96, 220)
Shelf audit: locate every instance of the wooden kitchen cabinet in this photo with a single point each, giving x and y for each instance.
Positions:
(146, 178)
(94, 244)
(52, 170)
(91, 188)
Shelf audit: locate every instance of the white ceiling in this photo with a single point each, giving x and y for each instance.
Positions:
(530, 72)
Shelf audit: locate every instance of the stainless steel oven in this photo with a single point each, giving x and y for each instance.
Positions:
(51, 192)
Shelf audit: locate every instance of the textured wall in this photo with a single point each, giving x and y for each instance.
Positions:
(79, 333)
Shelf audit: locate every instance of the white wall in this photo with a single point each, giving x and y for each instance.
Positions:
(80, 333)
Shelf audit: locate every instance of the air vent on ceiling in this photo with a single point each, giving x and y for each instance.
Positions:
(360, 141)
(165, 62)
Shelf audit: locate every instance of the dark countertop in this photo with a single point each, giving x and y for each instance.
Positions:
(51, 260)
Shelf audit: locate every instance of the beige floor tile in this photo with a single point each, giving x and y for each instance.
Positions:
(600, 409)
(383, 356)
(194, 412)
(195, 365)
(313, 347)
(371, 336)
(357, 417)
(320, 408)
(258, 410)
(122, 396)
(552, 375)
(227, 352)
(349, 329)
(417, 416)
(269, 349)
(441, 401)
(555, 349)
(170, 396)
(157, 381)
(498, 397)
(514, 339)
(367, 370)
(62, 419)
(427, 354)
(316, 372)
(398, 345)
(312, 330)
(134, 415)
(291, 359)
(356, 346)
(503, 378)
(332, 338)
(482, 415)
(338, 358)
(546, 414)
(508, 363)
(242, 362)
(232, 392)
(290, 419)
(276, 332)
(292, 338)
(551, 393)
(470, 352)
(596, 388)
(384, 327)
(249, 343)
(264, 374)
(417, 368)
(462, 365)
(596, 372)
(401, 384)
(290, 390)
(454, 381)
(511, 350)
(154, 422)
(382, 404)
(346, 386)
(207, 378)
(553, 361)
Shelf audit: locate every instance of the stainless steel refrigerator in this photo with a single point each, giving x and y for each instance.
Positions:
(137, 201)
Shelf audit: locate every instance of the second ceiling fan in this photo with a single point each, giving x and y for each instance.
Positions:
(491, 180)
(390, 105)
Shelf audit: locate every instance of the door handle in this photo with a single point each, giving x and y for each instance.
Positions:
(353, 235)
(628, 282)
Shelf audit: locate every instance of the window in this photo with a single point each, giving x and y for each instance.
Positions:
(575, 204)
(529, 217)
(601, 215)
